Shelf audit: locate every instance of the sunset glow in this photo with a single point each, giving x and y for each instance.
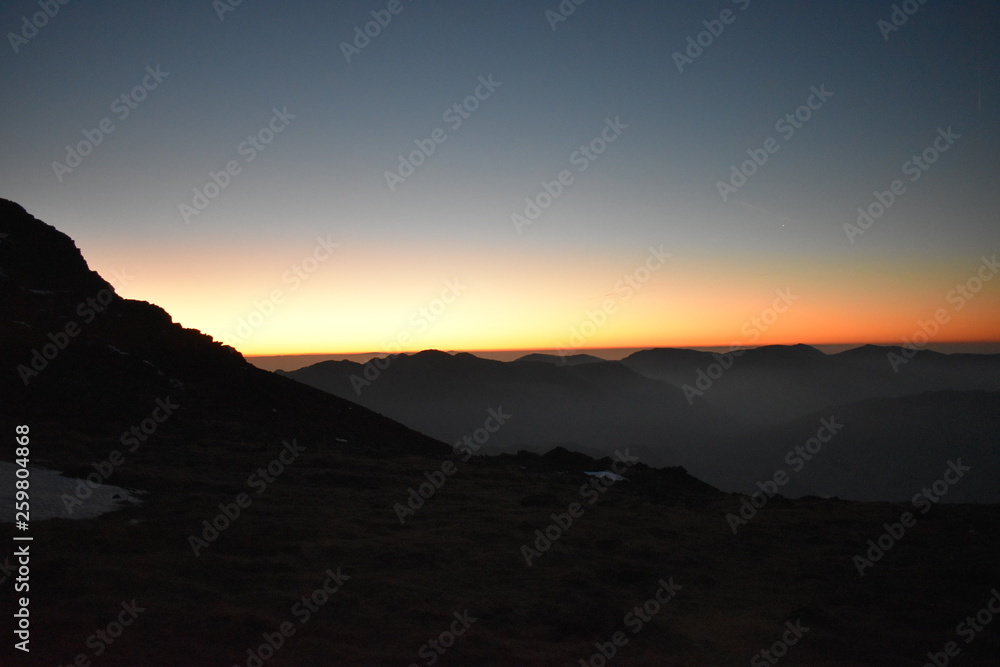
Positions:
(293, 199)
(354, 303)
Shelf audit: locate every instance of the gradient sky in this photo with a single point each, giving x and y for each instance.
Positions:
(449, 223)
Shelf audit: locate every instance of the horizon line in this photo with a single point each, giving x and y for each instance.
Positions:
(584, 350)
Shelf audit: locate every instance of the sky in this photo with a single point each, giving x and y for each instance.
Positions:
(394, 176)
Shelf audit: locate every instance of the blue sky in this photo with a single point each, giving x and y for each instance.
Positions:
(345, 124)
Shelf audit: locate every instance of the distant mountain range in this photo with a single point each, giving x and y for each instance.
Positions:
(728, 418)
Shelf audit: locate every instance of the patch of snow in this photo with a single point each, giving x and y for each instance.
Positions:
(46, 489)
(607, 473)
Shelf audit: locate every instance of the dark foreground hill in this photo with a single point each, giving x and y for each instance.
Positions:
(282, 526)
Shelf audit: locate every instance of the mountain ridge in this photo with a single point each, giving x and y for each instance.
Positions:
(77, 332)
(698, 409)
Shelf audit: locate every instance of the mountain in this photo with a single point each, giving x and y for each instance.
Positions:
(724, 416)
(83, 355)
(773, 384)
(568, 359)
(280, 525)
(592, 407)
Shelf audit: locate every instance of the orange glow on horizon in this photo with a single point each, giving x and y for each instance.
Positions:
(398, 299)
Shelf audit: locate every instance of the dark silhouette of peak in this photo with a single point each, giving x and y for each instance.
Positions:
(667, 353)
(672, 365)
(428, 359)
(442, 358)
(560, 458)
(431, 354)
(868, 351)
(37, 256)
(879, 353)
(65, 323)
(796, 352)
(423, 365)
(82, 355)
(567, 360)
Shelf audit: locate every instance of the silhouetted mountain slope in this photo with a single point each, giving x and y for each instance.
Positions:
(37, 256)
(562, 360)
(79, 354)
